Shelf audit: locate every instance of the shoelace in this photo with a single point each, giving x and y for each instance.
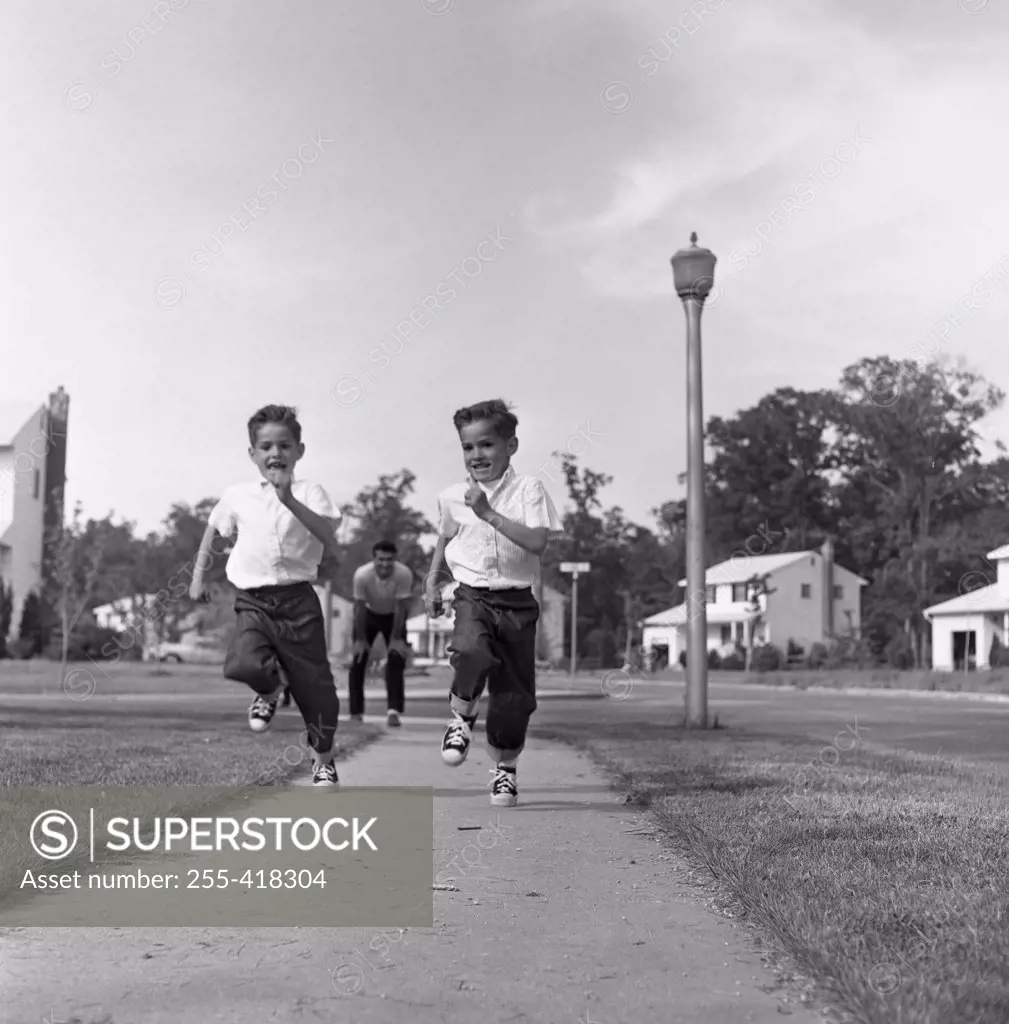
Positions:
(327, 771)
(503, 781)
(261, 706)
(456, 734)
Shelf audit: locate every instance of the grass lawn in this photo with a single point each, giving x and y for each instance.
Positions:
(150, 749)
(994, 681)
(883, 877)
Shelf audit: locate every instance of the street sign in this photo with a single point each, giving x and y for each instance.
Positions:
(575, 566)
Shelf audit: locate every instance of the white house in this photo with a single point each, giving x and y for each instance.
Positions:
(963, 628)
(33, 440)
(812, 599)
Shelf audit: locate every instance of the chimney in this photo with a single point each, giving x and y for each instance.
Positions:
(827, 557)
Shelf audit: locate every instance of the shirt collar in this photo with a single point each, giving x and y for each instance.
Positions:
(264, 483)
(506, 478)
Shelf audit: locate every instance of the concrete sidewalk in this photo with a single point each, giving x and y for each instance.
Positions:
(564, 912)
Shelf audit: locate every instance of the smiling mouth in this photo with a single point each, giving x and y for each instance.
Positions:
(276, 465)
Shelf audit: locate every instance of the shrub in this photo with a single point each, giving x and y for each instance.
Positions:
(767, 658)
(998, 657)
(794, 649)
(817, 656)
(714, 660)
(899, 654)
(20, 650)
(734, 662)
(87, 643)
(30, 630)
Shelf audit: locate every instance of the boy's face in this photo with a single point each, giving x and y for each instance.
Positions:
(275, 450)
(485, 452)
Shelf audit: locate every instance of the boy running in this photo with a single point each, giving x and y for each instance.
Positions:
(284, 526)
(492, 533)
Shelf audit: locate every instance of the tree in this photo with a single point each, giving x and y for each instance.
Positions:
(908, 453)
(72, 574)
(633, 574)
(770, 470)
(381, 512)
(6, 614)
(31, 629)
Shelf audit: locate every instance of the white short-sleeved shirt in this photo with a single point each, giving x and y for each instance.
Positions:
(380, 596)
(273, 546)
(477, 554)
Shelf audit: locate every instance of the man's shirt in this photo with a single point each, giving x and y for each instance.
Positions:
(380, 596)
(480, 556)
(273, 547)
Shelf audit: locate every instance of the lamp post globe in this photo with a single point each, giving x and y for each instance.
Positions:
(693, 276)
(693, 270)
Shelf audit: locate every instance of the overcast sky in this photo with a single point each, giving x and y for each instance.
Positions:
(213, 205)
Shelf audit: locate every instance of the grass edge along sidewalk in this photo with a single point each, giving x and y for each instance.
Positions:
(882, 876)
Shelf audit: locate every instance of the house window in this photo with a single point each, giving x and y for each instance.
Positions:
(36, 482)
(807, 590)
(738, 591)
(726, 635)
(710, 595)
(838, 593)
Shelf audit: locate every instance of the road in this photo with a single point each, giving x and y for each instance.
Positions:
(959, 729)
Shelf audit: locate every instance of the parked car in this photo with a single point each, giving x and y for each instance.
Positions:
(200, 650)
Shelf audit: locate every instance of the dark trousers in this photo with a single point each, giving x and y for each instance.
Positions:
(284, 626)
(395, 664)
(494, 645)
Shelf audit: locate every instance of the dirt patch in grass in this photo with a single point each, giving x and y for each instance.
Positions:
(882, 876)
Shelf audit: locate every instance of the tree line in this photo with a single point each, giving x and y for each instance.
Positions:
(887, 464)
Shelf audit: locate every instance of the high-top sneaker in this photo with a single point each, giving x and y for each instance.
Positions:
(504, 791)
(261, 712)
(324, 774)
(455, 742)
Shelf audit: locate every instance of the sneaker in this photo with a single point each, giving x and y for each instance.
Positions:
(455, 742)
(392, 719)
(261, 713)
(357, 718)
(504, 791)
(325, 775)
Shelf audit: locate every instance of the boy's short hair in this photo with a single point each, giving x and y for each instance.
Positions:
(495, 410)
(285, 414)
(385, 545)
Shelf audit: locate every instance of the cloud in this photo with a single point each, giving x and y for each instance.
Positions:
(772, 118)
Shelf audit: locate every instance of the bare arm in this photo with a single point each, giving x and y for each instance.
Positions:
(360, 615)
(203, 560)
(432, 582)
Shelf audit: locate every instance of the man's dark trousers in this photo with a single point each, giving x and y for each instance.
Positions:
(395, 664)
(284, 625)
(494, 644)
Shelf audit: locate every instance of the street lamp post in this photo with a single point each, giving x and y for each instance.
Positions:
(693, 275)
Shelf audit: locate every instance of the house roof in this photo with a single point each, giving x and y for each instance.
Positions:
(975, 602)
(678, 616)
(13, 416)
(742, 566)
